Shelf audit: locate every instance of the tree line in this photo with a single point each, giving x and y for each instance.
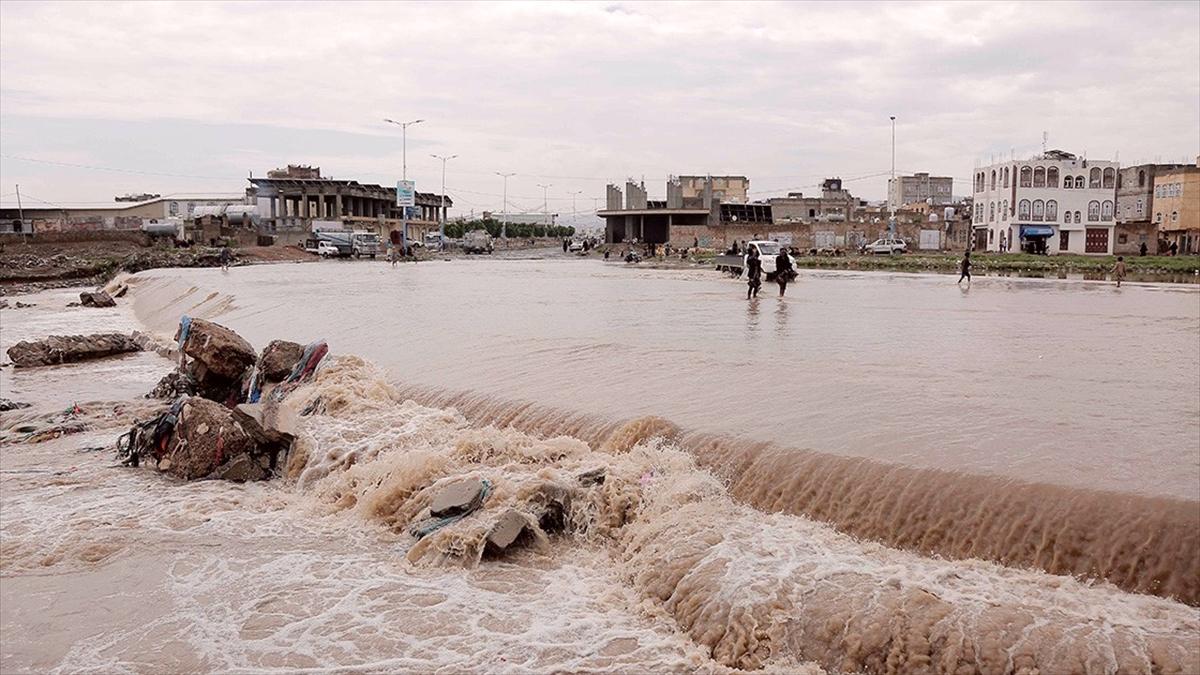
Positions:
(456, 230)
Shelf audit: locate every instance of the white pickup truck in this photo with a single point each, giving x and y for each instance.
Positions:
(736, 263)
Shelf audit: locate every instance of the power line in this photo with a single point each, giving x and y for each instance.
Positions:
(113, 169)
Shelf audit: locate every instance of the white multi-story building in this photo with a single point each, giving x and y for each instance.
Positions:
(1053, 203)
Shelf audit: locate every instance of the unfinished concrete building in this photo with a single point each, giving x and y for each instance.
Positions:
(696, 210)
(296, 198)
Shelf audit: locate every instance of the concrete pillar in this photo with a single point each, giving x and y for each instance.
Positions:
(337, 204)
(303, 212)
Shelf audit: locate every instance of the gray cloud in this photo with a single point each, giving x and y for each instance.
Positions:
(577, 94)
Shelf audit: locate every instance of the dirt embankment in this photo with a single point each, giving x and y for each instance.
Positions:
(28, 267)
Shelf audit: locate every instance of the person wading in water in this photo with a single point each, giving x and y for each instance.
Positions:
(784, 270)
(966, 268)
(753, 273)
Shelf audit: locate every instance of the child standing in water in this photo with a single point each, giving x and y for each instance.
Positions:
(1118, 270)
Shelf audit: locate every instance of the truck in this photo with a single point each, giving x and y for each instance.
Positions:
(348, 244)
(477, 241)
(735, 264)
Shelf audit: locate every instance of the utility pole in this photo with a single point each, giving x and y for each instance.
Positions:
(892, 219)
(545, 210)
(442, 215)
(20, 210)
(504, 208)
(574, 213)
(404, 175)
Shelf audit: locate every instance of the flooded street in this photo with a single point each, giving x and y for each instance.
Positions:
(670, 568)
(1029, 379)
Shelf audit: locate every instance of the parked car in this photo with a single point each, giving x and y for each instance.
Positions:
(327, 249)
(888, 246)
(477, 241)
(575, 246)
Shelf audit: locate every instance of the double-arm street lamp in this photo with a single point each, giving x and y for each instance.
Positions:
(403, 175)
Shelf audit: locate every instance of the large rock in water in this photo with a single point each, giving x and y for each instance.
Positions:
(223, 352)
(68, 348)
(96, 299)
(206, 436)
(278, 359)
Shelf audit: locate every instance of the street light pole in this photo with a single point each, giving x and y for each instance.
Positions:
(892, 184)
(442, 215)
(403, 176)
(504, 209)
(545, 209)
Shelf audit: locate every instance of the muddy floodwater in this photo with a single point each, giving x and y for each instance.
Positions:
(881, 473)
(1067, 382)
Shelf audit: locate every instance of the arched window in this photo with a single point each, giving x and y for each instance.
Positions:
(993, 179)
(1110, 177)
(1052, 210)
(1139, 207)
(1077, 217)
(1004, 210)
(1023, 209)
(1067, 217)
(1093, 211)
(1174, 216)
(991, 211)
(991, 236)
(1039, 177)
(1120, 180)
(1078, 182)
(1094, 177)
(1006, 176)
(1158, 217)
(1106, 211)
(1039, 210)
(1052, 176)
(1026, 176)
(1141, 178)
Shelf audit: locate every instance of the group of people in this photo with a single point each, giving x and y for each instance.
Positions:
(785, 271)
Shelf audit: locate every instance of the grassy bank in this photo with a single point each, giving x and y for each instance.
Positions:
(986, 263)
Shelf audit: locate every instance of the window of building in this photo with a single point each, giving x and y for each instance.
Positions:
(1094, 177)
(1051, 210)
(1052, 176)
(1122, 238)
(1026, 176)
(1078, 182)
(1158, 217)
(1106, 211)
(1004, 210)
(1066, 182)
(1039, 177)
(1139, 207)
(1023, 209)
(1110, 177)
(812, 213)
(991, 211)
(1039, 210)
(1157, 191)
(1006, 176)
(1119, 180)
(1064, 241)
(993, 179)
(1078, 217)
(1093, 211)
(991, 236)
(1142, 179)
(1174, 216)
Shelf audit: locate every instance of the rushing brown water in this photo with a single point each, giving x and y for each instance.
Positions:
(961, 423)
(657, 569)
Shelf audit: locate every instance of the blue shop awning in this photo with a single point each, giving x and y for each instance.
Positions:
(1037, 231)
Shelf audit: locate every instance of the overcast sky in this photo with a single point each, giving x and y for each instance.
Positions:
(198, 95)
